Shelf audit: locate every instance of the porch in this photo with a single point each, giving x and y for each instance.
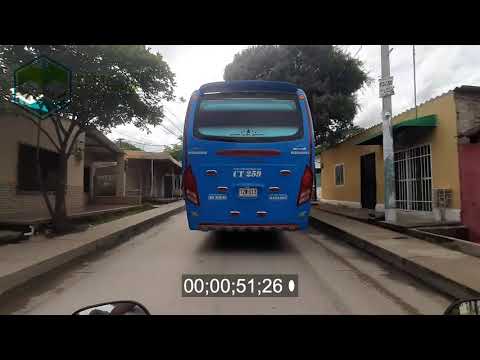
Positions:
(155, 177)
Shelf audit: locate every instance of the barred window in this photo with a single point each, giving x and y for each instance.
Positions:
(339, 175)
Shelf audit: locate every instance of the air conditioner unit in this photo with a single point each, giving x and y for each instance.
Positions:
(442, 197)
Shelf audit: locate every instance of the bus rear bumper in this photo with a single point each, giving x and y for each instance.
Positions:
(248, 227)
(207, 222)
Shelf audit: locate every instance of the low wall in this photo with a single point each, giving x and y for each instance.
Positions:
(15, 203)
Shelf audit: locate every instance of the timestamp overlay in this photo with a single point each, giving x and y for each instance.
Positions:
(239, 285)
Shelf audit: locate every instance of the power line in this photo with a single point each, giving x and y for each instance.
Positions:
(134, 141)
(141, 141)
(129, 138)
(166, 108)
(171, 122)
(126, 140)
(415, 84)
(172, 113)
(358, 51)
(143, 145)
(170, 131)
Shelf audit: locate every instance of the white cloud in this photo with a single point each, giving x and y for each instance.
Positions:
(439, 69)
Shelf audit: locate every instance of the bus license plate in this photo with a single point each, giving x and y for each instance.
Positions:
(247, 192)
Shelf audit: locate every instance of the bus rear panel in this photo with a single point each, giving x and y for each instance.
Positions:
(248, 157)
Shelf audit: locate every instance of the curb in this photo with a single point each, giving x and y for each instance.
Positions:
(418, 232)
(368, 221)
(425, 275)
(13, 280)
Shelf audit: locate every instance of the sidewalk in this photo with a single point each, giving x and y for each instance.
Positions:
(350, 212)
(23, 261)
(449, 271)
(405, 220)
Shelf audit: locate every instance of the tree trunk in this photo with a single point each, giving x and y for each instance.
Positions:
(43, 190)
(60, 221)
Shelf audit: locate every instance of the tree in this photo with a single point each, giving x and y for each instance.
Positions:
(329, 77)
(176, 151)
(111, 86)
(124, 145)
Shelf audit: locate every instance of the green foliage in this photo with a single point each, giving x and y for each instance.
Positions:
(111, 85)
(176, 151)
(124, 145)
(329, 77)
(351, 131)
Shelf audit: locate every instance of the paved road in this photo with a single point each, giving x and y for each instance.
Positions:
(333, 277)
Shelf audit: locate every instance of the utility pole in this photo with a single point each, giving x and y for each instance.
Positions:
(415, 84)
(388, 161)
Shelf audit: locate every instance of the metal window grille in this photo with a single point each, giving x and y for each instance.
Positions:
(413, 178)
(339, 180)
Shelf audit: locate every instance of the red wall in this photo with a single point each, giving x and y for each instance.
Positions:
(470, 188)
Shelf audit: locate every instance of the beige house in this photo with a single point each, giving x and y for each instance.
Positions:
(154, 175)
(97, 171)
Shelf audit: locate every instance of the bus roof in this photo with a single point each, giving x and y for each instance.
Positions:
(247, 86)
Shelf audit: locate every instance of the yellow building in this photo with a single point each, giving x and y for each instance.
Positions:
(426, 158)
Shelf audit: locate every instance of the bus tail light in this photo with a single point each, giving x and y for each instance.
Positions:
(190, 186)
(305, 186)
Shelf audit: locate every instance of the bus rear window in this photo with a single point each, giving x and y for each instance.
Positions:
(248, 118)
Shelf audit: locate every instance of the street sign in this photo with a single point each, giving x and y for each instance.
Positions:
(386, 86)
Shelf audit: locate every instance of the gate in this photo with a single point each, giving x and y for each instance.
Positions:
(413, 178)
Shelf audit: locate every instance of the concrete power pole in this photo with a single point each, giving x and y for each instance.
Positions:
(388, 161)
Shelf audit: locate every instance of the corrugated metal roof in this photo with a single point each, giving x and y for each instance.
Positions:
(102, 139)
(146, 155)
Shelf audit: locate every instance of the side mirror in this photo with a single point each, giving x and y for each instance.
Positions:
(114, 308)
(464, 307)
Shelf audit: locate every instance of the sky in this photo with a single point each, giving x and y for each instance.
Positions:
(439, 68)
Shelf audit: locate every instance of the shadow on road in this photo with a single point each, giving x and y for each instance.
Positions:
(246, 242)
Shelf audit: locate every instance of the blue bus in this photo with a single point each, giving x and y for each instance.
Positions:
(248, 157)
